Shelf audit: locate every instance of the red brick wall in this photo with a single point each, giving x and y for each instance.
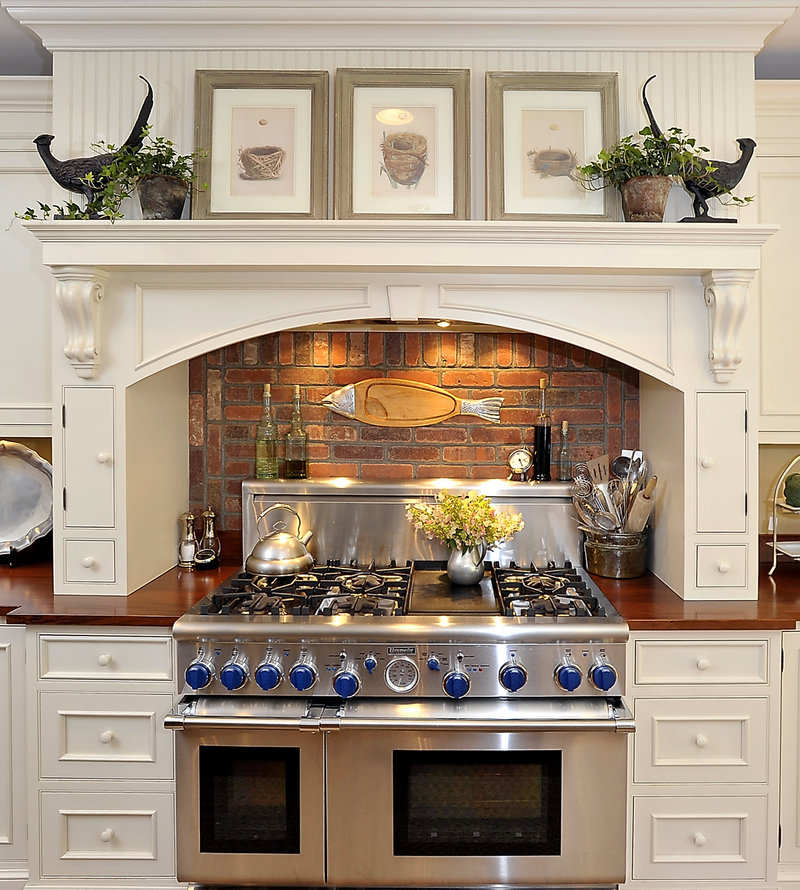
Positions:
(599, 397)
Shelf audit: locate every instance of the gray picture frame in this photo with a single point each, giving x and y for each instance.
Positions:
(527, 181)
(262, 181)
(418, 167)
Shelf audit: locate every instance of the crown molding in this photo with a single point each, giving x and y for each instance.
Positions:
(683, 25)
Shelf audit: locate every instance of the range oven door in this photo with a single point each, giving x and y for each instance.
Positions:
(249, 792)
(460, 794)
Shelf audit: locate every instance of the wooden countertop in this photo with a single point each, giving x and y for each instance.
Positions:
(26, 597)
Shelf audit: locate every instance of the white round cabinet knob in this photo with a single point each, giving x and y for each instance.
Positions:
(106, 736)
(103, 457)
(106, 835)
(703, 664)
(723, 568)
(699, 839)
(707, 462)
(88, 562)
(104, 660)
(701, 741)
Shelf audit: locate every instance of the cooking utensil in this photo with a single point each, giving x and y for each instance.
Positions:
(620, 466)
(641, 508)
(280, 552)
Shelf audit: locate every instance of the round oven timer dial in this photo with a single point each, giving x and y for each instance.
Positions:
(402, 674)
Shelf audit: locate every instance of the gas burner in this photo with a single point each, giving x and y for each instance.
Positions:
(554, 591)
(359, 603)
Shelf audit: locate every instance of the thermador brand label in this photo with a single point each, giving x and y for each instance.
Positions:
(401, 650)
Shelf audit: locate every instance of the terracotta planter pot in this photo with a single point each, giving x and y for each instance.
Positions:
(162, 197)
(644, 198)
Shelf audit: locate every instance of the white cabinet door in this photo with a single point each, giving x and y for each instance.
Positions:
(13, 836)
(721, 461)
(790, 750)
(89, 456)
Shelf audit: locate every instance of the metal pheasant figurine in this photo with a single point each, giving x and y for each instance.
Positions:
(704, 183)
(71, 174)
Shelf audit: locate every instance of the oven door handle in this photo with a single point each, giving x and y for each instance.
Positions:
(618, 719)
(316, 718)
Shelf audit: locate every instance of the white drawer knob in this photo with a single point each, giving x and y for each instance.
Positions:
(723, 568)
(699, 839)
(707, 462)
(103, 457)
(701, 741)
(104, 660)
(106, 835)
(703, 664)
(88, 561)
(106, 736)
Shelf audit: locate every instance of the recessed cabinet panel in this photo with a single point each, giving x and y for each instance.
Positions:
(87, 561)
(721, 461)
(721, 565)
(701, 740)
(104, 657)
(697, 838)
(104, 735)
(107, 835)
(89, 456)
(702, 662)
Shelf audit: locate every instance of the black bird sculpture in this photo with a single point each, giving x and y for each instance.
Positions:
(71, 174)
(703, 184)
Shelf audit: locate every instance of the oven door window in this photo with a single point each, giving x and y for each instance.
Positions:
(249, 800)
(477, 803)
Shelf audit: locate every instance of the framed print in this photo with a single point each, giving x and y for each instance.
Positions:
(539, 128)
(266, 133)
(401, 144)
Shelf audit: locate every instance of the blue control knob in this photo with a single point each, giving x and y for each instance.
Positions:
(302, 677)
(433, 663)
(568, 677)
(233, 676)
(513, 677)
(346, 684)
(268, 676)
(456, 684)
(370, 663)
(603, 676)
(198, 675)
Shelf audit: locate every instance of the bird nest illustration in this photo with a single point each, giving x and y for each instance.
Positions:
(553, 162)
(261, 162)
(405, 156)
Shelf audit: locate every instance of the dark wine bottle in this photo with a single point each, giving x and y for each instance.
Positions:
(541, 440)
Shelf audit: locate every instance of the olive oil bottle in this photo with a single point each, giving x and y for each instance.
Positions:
(296, 466)
(267, 441)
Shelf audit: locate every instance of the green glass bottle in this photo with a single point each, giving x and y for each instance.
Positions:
(296, 466)
(267, 441)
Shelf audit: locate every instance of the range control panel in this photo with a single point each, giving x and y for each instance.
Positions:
(451, 670)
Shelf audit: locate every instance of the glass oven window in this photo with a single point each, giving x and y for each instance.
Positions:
(249, 800)
(477, 803)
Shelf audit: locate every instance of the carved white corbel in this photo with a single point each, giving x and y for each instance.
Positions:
(79, 292)
(404, 301)
(726, 294)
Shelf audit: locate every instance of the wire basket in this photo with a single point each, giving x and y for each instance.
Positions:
(261, 162)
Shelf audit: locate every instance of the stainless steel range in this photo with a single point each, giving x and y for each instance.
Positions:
(472, 736)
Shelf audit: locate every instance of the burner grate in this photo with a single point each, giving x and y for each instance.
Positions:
(553, 591)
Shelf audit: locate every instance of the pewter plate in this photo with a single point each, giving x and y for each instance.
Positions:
(26, 496)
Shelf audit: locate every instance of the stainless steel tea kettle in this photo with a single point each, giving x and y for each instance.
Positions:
(280, 552)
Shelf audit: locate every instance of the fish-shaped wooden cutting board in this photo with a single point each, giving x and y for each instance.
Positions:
(395, 402)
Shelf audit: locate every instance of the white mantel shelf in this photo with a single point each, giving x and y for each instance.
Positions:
(470, 246)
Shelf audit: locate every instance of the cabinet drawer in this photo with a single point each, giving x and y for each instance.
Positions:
(701, 740)
(104, 736)
(707, 662)
(87, 561)
(107, 835)
(693, 839)
(104, 656)
(721, 565)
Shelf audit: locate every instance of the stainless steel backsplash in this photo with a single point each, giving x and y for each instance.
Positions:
(364, 521)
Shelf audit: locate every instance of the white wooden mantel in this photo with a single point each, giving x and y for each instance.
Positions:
(82, 256)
